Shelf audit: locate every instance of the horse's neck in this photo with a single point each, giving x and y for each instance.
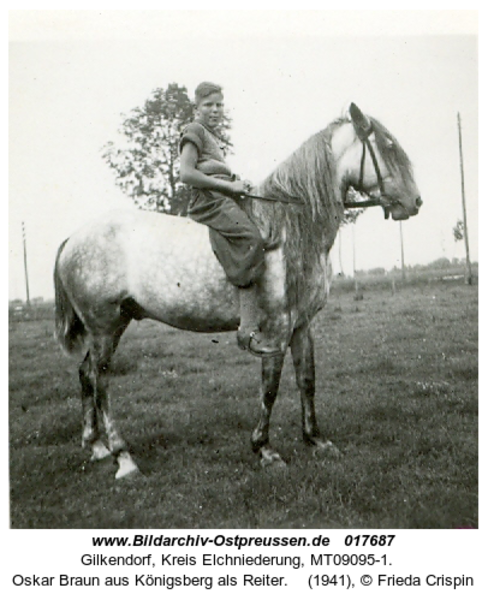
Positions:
(316, 172)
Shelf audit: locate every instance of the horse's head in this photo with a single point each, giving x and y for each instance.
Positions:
(373, 162)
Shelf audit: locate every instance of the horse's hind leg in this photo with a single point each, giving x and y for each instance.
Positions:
(91, 430)
(104, 347)
(271, 373)
(91, 389)
(94, 374)
(303, 360)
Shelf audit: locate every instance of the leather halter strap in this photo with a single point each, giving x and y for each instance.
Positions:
(367, 144)
(383, 200)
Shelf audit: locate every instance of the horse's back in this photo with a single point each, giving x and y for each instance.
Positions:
(162, 262)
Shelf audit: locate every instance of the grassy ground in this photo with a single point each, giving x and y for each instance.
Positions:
(397, 378)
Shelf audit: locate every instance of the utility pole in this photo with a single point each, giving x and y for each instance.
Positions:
(27, 295)
(402, 255)
(357, 294)
(468, 277)
(340, 252)
(353, 237)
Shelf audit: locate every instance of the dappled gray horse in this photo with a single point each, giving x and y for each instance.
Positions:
(136, 265)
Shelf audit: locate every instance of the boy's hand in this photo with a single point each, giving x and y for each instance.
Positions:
(240, 187)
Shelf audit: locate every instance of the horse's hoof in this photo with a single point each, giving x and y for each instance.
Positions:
(326, 449)
(127, 466)
(99, 451)
(271, 459)
(132, 476)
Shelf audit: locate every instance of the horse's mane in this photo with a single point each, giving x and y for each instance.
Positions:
(305, 231)
(309, 174)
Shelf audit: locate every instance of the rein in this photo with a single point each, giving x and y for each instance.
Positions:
(283, 200)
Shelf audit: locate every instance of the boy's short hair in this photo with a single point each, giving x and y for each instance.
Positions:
(206, 88)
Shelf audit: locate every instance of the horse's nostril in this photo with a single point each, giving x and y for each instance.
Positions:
(418, 202)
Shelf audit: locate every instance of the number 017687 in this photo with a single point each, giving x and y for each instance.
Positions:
(369, 540)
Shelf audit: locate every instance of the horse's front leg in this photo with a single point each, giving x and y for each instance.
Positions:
(303, 360)
(271, 373)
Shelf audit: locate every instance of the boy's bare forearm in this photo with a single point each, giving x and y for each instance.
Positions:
(204, 182)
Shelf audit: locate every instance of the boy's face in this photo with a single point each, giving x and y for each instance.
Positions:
(210, 110)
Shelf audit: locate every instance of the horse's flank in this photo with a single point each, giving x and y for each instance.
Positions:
(170, 271)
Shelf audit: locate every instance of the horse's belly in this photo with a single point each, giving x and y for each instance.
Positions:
(181, 302)
(175, 277)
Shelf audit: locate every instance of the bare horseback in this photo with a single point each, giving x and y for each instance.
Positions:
(238, 263)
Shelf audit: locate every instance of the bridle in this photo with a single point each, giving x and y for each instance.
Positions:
(383, 200)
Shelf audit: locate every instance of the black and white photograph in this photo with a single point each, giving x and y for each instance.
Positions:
(243, 271)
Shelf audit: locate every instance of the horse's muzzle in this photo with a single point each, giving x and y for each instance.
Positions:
(400, 212)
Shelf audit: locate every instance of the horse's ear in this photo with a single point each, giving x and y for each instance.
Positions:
(362, 125)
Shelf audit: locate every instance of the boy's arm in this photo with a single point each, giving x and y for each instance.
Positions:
(190, 175)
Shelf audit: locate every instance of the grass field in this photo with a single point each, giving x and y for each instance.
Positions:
(397, 392)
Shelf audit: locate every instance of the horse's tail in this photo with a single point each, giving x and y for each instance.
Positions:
(68, 327)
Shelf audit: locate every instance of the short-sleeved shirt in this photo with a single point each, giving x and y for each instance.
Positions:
(211, 159)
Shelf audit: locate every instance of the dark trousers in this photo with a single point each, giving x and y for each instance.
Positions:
(235, 239)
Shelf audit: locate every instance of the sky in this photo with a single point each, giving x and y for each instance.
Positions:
(286, 75)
